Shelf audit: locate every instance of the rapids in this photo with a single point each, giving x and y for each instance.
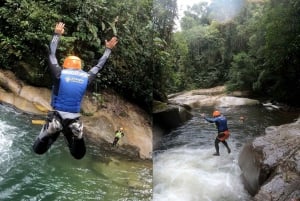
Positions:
(184, 167)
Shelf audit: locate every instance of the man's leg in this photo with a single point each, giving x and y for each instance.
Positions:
(217, 141)
(115, 141)
(77, 148)
(48, 135)
(74, 135)
(226, 145)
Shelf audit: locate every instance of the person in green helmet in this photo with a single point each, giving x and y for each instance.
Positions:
(118, 135)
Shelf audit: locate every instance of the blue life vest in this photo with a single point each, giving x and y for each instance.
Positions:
(71, 89)
(220, 121)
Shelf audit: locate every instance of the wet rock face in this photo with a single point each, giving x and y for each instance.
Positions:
(270, 164)
(249, 161)
(171, 117)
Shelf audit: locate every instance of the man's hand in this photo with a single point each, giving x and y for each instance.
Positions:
(111, 44)
(59, 28)
(202, 115)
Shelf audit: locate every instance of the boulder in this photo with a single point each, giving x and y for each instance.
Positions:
(271, 164)
(227, 101)
(209, 97)
(169, 116)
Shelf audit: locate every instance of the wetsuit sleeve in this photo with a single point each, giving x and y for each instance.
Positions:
(93, 72)
(210, 120)
(53, 64)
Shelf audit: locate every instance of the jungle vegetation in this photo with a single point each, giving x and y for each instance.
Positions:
(250, 45)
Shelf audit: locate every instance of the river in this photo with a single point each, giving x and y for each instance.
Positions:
(57, 176)
(184, 167)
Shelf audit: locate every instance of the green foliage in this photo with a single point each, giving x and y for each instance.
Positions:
(164, 13)
(211, 43)
(205, 56)
(176, 80)
(282, 51)
(250, 45)
(21, 31)
(195, 16)
(243, 72)
(132, 61)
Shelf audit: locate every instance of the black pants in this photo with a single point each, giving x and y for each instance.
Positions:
(115, 141)
(76, 146)
(217, 141)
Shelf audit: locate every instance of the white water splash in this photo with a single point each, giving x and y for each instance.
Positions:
(7, 155)
(185, 174)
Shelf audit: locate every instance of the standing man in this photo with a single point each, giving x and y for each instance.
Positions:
(223, 132)
(69, 86)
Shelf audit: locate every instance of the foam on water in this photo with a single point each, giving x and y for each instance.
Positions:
(185, 169)
(6, 141)
(186, 174)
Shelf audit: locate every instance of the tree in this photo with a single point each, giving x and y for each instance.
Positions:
(196, 15)
(281, 75)
(164, 13)
(243, 72)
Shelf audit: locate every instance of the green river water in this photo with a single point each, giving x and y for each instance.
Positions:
(183, 166)
(55, 175)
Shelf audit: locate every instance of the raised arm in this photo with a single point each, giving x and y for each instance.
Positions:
(108, 46)
(53, 64)
(210, 120)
